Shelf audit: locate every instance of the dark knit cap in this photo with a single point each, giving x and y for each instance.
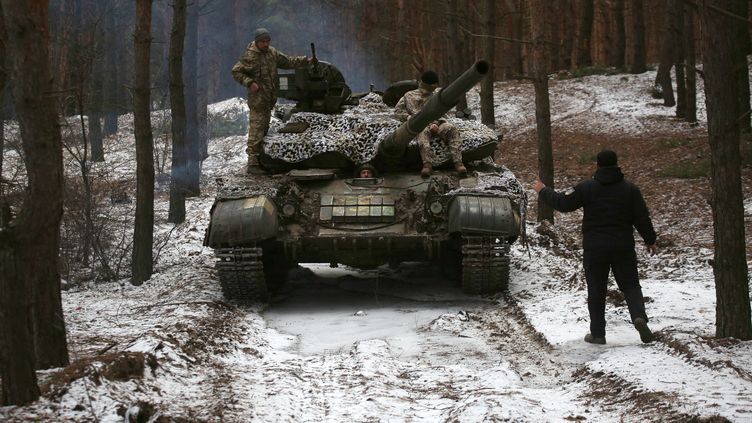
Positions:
(607, 158)
(430, 78)
(262, 34)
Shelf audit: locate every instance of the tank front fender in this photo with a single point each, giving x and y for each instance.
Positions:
(241, 221)
(476, 215)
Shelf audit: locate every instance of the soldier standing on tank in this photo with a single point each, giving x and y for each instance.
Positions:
(257, 71)
(612, 207)
(410, 104)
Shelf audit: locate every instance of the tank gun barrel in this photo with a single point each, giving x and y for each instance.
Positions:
(393, 146)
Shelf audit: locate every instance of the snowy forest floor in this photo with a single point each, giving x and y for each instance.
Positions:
(343, 345)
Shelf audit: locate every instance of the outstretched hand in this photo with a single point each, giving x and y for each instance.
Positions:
(653, 249)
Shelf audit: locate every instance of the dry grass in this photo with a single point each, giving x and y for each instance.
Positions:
(114, 366)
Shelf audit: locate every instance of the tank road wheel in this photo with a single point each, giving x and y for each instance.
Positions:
(241, 274)
(485, 264)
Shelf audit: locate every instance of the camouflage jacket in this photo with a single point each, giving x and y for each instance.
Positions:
(411, 103)
(261, 67)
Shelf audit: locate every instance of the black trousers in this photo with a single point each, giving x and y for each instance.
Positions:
(598, 264)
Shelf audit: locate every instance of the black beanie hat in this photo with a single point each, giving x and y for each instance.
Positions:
(607, 158)
(429, 77)
(261, 34)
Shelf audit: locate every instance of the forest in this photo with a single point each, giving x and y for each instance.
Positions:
(121, 123)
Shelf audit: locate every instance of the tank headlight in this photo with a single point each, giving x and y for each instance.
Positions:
(289, 210)
(436, 207)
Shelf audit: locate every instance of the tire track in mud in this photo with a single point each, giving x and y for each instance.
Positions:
(541, 365)
(531, 356)
(684, 349)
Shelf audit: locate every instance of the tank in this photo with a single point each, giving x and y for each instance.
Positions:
(346, 189)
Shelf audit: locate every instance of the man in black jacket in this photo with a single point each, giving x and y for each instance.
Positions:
(612, 206)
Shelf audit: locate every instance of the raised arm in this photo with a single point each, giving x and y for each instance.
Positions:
(563, 202)
(291, 62)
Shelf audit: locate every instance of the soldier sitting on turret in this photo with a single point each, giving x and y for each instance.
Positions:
(410, 104)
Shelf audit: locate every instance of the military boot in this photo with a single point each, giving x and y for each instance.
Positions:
(646, 335)
(427, 170)
(254, 167)
(589, 338)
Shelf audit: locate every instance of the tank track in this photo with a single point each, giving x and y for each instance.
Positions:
(485, 264)
(241, 274)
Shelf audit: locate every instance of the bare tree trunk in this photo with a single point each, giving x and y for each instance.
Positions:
(689, 55)
(458, 50)
(19, 380)
(582, 55)
(192, 140)
(202, 80)
(60, 50)
(141, 264)
(113, 74)
(619, 30)
(567, 31)
(487, 84)
(741, 8)
(2, 139)
(542, 106)
(37, 231)
(401, 51)
(203, 120)
(515, 67)
(681, 90)
(96, 87)
(720, 36)
(635, 34)
(95, 136)
(663, 77)
(4, 63)
(177, 104)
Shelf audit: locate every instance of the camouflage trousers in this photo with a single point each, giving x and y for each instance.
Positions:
(447, 133)
(260, 112)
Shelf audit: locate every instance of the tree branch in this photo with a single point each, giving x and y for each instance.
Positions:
(511, 40)
(719, 10)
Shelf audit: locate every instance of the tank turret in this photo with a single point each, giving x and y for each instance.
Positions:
(393, 146)
(318, 87)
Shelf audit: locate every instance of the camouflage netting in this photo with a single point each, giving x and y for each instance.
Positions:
(357, 133)
(243, 186)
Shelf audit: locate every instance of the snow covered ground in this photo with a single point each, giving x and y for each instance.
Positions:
(343, 345)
